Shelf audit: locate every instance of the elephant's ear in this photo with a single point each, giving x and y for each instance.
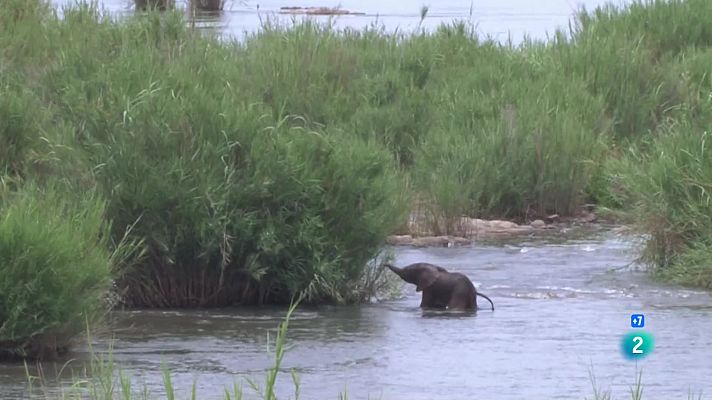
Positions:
(427, 278)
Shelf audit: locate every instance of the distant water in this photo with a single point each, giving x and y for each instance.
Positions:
(499, 19)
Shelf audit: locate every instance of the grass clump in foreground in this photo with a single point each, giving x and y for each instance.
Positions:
(55, 266)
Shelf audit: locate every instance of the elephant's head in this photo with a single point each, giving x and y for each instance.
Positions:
(422, 275)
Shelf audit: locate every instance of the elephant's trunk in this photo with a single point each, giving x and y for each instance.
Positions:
(398, 271)
(395, 269)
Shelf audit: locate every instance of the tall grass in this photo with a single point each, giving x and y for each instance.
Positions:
(19, 131)
(56, 269)
(255, 170)
(629, 55)
(236, 201)
(669, 190)
(666, 179)
(511, 140)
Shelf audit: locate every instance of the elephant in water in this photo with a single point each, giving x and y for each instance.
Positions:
(441, 289)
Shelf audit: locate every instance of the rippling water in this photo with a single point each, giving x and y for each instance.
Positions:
(561, 309)
(500, 19)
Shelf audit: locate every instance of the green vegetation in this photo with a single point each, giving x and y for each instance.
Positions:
(659, 172)
(236, 201)
(252, 171)
(51, 250)
(669, 188)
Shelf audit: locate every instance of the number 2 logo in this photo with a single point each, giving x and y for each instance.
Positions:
(637, 345)
(636, 348)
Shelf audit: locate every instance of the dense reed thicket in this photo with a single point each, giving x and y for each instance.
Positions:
(657, 91)
(236, 200)
(55, 267)
(255, 170)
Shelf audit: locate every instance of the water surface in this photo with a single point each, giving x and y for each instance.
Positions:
(561, 309)
(499, 19)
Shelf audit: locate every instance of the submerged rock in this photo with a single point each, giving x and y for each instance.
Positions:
(538, 224)
(587, 216)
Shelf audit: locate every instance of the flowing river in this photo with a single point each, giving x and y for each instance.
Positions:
(562, 307)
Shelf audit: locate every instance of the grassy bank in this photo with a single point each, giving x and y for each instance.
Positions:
(251, 171)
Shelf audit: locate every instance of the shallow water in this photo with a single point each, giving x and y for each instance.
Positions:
(499, 19)
(561, 308)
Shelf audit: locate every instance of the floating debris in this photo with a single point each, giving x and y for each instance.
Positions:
(317, 11)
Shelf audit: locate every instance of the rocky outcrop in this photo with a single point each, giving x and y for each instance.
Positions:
(427, 241)
(467, 230)
(475, 228)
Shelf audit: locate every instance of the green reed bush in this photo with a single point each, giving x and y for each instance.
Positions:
(668, 190)
(664, 181)
(255, 169)
(364, 82)
(513, 140)
(55, 267)
(629, 55)
(20, 40)
(233, 204)
(20, 121)
(669, 26)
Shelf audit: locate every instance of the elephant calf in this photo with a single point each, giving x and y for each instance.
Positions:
(441, 289)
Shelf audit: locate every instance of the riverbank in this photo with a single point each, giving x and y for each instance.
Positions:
(254, 171)
(420, 232)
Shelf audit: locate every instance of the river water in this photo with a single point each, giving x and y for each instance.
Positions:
(499, 19)
(562, 307)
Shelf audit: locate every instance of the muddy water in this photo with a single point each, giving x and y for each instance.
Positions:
(561, 309)
(499, 19)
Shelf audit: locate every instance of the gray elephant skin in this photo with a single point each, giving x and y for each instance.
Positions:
(441, 288)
